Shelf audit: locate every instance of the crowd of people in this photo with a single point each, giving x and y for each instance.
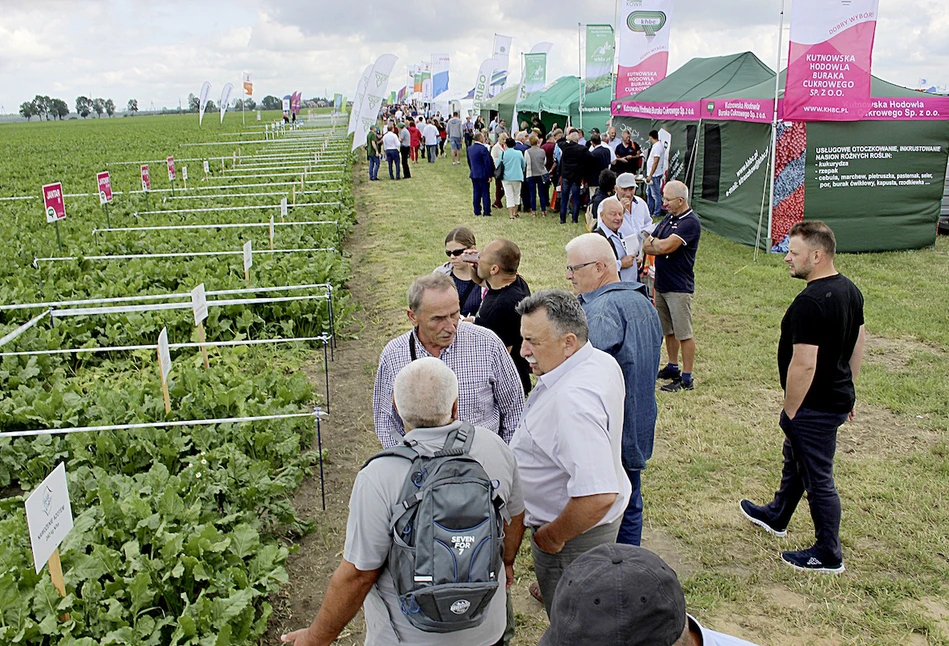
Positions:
(553, 394)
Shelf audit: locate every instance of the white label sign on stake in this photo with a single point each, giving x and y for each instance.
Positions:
(164, 354)
(199, 303)
(283, 207)
(207, 167)
(49, 516)
(184, 173)
(272, 231)
(248, 256)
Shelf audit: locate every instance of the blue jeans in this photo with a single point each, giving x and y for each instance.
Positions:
(810, 441)
(374, 167)
(535, 187)
(432, 153)
(654, 195)
(481, 196)
(392, 157)
(569, 190)
(631, 528)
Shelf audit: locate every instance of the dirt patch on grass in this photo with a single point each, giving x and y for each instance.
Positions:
(877, 432)
(895, 354)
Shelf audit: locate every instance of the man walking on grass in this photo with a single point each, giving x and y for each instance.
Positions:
(454, 128)
(819, 357)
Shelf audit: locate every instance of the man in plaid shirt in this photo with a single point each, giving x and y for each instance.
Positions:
(489, 390)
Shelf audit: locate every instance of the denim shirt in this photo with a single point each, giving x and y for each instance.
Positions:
(624, 324)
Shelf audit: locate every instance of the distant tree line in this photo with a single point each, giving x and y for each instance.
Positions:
(49, 108)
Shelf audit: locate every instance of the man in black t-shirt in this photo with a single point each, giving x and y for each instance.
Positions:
(497, 267)
(819, 356)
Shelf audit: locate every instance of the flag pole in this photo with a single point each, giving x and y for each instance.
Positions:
(580, 70)
(774, 136)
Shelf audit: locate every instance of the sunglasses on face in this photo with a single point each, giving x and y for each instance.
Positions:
(454, 252)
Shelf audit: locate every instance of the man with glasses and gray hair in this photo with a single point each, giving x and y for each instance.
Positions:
(568, 442)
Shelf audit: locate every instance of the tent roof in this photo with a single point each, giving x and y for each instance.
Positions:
(702, 78)
(560, 97)
(507, 96)
(765, 90)
(599, 99)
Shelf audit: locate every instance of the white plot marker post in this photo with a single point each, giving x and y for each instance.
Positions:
(199, 303)
(248, 260)
(49, 519)
(164, 366)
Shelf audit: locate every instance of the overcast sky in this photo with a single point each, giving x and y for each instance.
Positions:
(160, 51)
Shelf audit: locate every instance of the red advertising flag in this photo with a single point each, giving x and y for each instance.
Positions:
(105, 187)
(146, 178)
(171, 169)
(53, 202)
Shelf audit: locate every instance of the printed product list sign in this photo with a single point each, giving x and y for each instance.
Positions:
(829, 62)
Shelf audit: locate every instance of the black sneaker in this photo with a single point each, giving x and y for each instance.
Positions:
(677, 384)
(757, 515)
(668, 373)
(809, 561)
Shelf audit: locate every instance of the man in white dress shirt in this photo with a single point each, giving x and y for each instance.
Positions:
(568, 442)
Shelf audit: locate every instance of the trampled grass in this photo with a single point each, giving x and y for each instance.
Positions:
(721, 442)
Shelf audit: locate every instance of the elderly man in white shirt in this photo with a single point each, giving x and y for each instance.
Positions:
(568, 441)
(430, 135)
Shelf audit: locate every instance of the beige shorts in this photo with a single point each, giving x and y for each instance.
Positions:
(512, 193)
(675, 314)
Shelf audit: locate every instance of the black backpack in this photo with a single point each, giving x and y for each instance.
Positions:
(447, 536)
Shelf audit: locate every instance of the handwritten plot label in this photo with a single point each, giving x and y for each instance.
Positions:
(199, 303)
(171, 169)
(49, 516)
(53, 202)
(105, 187)
(248, 256)
(146, 178)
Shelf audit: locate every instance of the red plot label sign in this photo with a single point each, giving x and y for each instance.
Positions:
(171, 169)
(53, 202)
(146, 179)
(105, 187)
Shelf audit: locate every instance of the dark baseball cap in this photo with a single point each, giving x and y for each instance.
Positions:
(617, 595)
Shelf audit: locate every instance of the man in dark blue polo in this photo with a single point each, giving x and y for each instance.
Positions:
(674, 243)
(624, 324)
(482, 170)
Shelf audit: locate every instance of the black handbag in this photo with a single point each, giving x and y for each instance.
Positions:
(499, 171)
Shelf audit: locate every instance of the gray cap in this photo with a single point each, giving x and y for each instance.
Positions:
(617, 595)
(626, 180)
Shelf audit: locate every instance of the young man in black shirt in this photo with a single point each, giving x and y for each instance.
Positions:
(497, 267)
(819, 357)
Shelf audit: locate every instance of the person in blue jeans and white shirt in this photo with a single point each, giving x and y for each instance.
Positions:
(819, 357)
(655, 172)
(623, 323)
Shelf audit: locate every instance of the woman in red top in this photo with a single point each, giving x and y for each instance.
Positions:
(416, 135)
(442, 136)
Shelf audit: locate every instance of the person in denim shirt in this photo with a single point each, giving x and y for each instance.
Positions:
(624, 324)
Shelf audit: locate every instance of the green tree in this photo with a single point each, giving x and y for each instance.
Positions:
(109, 107)
(133, 106)
(249, 104)
(194, 103)
(28, 110)
(60, 109)
(42, 106)
(271, 102)
(99, 106)
(83, 106)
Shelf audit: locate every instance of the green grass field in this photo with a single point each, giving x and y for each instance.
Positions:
(721, 442)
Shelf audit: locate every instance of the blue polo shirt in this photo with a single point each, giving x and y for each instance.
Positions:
(675, 271)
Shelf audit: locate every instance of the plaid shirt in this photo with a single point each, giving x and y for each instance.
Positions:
(489, 390)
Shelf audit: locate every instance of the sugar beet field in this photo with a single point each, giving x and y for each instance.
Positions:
(179, 485)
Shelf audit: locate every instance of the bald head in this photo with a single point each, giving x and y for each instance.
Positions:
(592, 247)
(591, 263)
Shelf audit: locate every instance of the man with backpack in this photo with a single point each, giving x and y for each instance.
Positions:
(433, 528)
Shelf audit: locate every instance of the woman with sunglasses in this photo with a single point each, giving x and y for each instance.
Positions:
(458, 241)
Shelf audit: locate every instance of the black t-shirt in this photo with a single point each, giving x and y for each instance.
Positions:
(498, 315)
(828, 313)
(675, 272)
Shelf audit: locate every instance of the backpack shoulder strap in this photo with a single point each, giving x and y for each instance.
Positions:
(400, 451)
(458, 441)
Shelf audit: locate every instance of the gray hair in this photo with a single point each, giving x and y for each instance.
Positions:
(438, 282)
(563, 311)
(675, 188)
(591, 247)
(425, 391)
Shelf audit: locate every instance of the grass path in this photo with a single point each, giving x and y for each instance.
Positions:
(722, 442)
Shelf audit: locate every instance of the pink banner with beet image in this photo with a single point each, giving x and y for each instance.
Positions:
(643, 55)
(829, 62)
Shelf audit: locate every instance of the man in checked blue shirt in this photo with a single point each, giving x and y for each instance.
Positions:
(489, 390)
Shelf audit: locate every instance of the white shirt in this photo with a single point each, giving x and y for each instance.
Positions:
(430, 133)
(658, 150)
(613, 143)
(390, 141)
(398, 115)
(633, 222)
(568, 442)
(712, 638)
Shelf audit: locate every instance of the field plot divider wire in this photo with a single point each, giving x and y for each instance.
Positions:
(180, 254)
(228, 225)
(255, 207)
(23, 328)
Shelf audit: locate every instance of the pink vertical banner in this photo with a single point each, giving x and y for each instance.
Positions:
(829, 62)
(643, 55)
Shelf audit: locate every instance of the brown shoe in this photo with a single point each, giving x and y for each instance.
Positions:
(534, 589)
